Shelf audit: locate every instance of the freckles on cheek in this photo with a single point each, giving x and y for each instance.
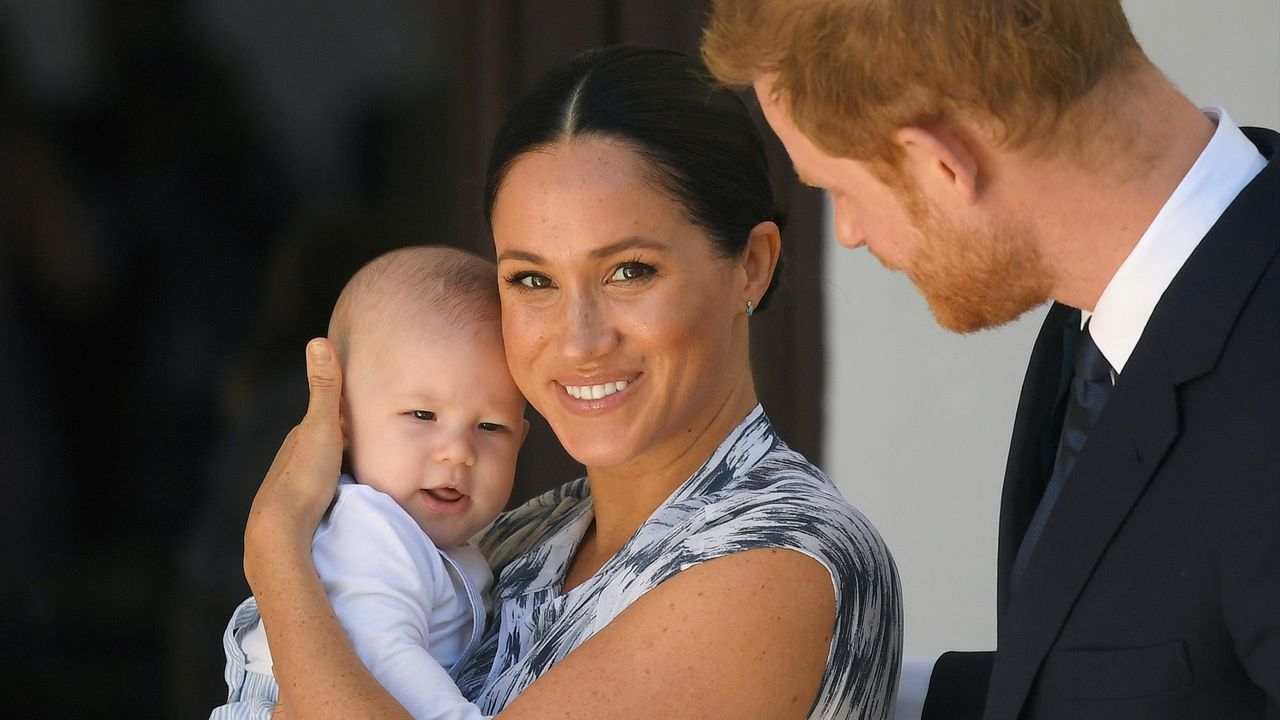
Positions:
(524, 343)
(519, 332)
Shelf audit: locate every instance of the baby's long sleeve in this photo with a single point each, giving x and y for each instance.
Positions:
(393, 594)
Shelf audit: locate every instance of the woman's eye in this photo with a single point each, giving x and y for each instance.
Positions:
(531, 280)
(422, 415)
(492, 427)
(631, 271)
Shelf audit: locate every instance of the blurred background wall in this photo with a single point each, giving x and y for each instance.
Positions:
(185, 185)
(918, 419)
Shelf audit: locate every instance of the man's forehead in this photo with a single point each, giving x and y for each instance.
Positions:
(775, 111)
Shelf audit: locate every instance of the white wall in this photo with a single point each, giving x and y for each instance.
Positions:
(918, 420)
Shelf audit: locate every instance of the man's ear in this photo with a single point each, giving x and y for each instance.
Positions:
(760, 259)
(939, 159)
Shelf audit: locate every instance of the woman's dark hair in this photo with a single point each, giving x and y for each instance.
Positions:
(697, 136)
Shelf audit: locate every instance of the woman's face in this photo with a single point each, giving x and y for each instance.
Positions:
(623, 326)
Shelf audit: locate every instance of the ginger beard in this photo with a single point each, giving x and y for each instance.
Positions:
(972, 277)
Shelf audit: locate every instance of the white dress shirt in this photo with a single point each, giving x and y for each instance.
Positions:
(1225, 166)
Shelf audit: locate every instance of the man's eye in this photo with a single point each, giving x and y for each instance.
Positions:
(631, 271)
(492, 427)
(423, 414)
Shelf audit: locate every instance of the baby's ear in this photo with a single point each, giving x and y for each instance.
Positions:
(524, 431)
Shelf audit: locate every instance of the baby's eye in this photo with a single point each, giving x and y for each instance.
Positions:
(422, 414)
(631, 271)
(492, 427)
(530, 280)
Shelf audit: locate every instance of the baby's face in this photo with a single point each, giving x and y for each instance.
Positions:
(433, 419)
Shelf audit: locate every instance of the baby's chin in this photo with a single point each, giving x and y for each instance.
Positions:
(446, 538)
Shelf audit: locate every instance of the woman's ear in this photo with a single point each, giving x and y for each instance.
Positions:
(940, 161)
(760, 260)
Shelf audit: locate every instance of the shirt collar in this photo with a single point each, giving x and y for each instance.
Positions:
(1225, 166)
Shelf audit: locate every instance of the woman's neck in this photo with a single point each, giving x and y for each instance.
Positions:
(624, 496)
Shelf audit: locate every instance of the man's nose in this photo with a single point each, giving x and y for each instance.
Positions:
(846, 230)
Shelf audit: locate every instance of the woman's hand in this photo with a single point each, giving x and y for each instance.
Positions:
(301, 482)
(319, 674)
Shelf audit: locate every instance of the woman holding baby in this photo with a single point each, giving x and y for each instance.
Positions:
(702, 568)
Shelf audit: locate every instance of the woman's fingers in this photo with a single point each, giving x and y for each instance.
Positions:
(318, 438)
(316, 456)
(300, 484)
(306, 469)
(324, 378)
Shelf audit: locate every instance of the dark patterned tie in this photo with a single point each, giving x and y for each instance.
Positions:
(1090, 387)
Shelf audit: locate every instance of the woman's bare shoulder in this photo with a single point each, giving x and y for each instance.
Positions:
(745, 635)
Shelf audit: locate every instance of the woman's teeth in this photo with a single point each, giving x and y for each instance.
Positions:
(595, 392)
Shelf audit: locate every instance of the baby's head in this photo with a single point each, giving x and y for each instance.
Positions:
(430, 414)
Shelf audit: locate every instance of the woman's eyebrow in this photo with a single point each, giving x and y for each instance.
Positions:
(631, 243)
(520, 255)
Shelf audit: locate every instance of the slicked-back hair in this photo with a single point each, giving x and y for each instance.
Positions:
(424, 282)
(696, 136)
(852, 72)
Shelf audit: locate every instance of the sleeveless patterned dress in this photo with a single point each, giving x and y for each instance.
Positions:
(753, 492)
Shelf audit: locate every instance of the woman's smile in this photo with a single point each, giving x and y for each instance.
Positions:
(622, 322)
(595, 392)
(596, 398)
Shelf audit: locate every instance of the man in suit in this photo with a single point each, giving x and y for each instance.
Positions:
(1007, 152)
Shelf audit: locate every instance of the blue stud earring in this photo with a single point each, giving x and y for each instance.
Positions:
(751, 310)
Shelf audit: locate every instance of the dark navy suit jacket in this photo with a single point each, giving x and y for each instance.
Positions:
(1154, 591)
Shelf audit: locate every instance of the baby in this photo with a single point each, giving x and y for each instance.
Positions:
(432, 422)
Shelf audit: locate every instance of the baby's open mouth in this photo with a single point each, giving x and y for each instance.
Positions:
(445, 494)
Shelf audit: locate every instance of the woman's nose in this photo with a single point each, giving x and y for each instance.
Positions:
(588, 334)
(456, 447)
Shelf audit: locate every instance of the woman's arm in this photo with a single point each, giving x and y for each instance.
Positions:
(743, 636)
(319, 674)
(746, 635)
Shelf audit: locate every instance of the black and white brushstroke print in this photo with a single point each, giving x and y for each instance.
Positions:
(753, 492)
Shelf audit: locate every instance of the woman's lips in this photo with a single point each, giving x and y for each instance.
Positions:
(592, 398)
(446, 500)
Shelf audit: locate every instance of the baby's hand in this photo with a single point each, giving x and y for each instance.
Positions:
(278, 713)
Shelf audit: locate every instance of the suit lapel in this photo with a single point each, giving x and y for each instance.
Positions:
(1183, 340)
(1126, 446)
(1035, 429)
